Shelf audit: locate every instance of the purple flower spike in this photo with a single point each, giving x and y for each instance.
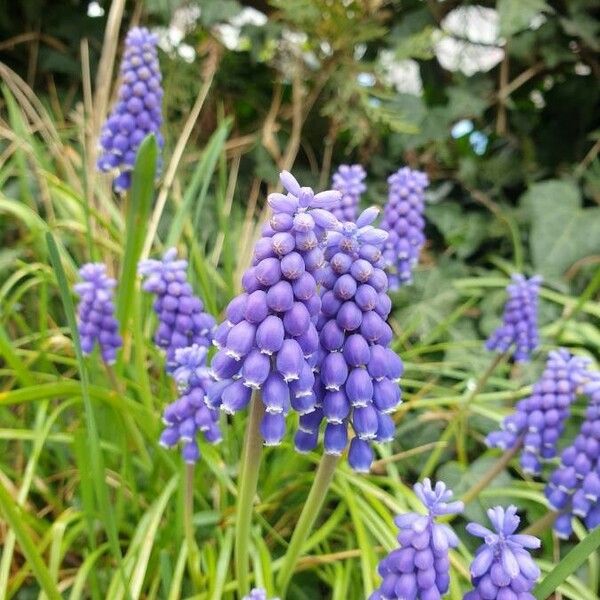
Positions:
(538, 421)
(357, 381)
(96, 319)
(137, 112)
(502, 567)
(190, 413)
(349, 180)
(519, 324)
(270, 341)
(403, 220)
(574, 487)
(181, 316)
(419, 569)
(257, 594)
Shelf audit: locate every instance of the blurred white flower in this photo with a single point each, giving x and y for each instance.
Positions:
(95, 10)
(404, 75)
(469, 40)
(230, 34)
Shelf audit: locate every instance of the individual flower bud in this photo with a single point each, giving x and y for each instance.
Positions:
(272, 428)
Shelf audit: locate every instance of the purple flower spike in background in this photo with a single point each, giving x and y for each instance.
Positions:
(269, 340)
(574, 487)
(349, 180)
(420, 568)
(357, 379)
(182, 321)
(190, 414)
(403, 220)
(538, 421)
(258, 594)
(96, 319)
(137, 112)
(503, 568)
(519, 322)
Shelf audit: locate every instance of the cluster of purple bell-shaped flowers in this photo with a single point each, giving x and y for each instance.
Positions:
(404, 221)
(269, 341)
(137, 112)
(519, 323)
(502, 568)
(96, 320)
(350, 181)
(574, 486)
(356, 373)
(420, 568)
(538, 421)
(189, 414)
(182, 321)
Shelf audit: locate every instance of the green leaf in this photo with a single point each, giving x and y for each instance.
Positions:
(140, 201)
(561, 231)
(16, 523)
(516, 15)
(568, 565)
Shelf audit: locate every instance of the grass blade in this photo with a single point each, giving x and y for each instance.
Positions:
(93, 446)
(140, 201)
(568, 565)
(28, 546)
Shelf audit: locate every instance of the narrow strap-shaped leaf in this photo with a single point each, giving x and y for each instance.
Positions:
(140, 201)
(27, 545)
(93, 446)
(568, 565)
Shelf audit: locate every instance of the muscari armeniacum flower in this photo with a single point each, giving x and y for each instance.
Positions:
(574, 487)
(538, 421)
(403, 220)
(269, 339)
(137, 112)
(519, 322)
(190, 414)
(420, 568)
(357, 373)
(96, 320)
(182, 320)
(349, 180)
(258, 594)
(503, 568)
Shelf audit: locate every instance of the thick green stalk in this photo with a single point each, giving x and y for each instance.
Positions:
(310, 511)
(249, 468)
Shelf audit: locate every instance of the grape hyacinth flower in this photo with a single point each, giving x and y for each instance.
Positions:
(574, 487)
(269, 339)
(538, 421)
(137, 112)
(403, 220)
(420, 568)
(357, 381)
(257, 594)
(503, 568)
(181, 316)
(96, 319)
(519, 322)
(190, 414)
(349, 180)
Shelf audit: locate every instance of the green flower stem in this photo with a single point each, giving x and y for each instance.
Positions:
(458, 422)
(311, 509)
(249, 468)
(193, 554)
